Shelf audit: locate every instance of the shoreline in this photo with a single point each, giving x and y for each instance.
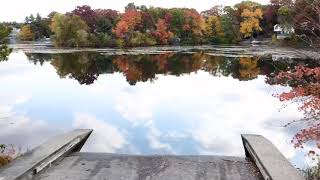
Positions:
(261, 51)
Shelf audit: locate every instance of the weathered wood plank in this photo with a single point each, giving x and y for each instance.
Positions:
(41, 157)
(270, 161)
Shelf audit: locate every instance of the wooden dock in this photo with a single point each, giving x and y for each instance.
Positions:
(59, 158)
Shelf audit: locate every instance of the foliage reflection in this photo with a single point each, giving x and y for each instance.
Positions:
(86, 67)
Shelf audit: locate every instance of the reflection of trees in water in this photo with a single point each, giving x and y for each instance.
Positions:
(305, 83)
(38, 58)
(248, 68)
(86, 67)
(76, 66)
(4, 52)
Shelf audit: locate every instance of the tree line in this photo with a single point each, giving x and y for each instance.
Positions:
(148, 26)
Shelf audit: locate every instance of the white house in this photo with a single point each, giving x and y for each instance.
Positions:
(283, 32)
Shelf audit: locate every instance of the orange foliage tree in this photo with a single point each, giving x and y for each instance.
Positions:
(129, 20)
(162, 34)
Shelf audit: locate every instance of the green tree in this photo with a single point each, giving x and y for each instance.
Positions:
(35, 28)
(4, 50)
(285, 16)
(4, 33)
(70, 31)
(231, 26)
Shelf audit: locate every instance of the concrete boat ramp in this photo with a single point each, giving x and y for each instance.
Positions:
(59, 158)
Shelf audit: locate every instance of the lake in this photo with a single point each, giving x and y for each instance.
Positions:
(158, 103)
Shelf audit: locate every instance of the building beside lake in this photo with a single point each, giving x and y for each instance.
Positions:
(283, 32)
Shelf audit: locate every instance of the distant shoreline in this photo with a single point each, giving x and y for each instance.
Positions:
(263, 51)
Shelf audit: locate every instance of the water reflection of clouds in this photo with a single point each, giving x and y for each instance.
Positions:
(213, 122)
(19, 69)
(105, 138)
(18, 129)
(191, 114)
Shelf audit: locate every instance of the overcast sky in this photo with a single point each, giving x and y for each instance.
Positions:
(16, 10)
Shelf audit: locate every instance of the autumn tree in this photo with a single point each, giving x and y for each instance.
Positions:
(129, 20)
(87, 14)
(26, 33)
(214, 29)
(106, 20)
(162, 34)
(251, 21)
(305, 83)
(193, 26)
(140, 25)
(307, 21)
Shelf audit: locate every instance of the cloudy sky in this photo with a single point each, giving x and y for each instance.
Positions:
(16, 10)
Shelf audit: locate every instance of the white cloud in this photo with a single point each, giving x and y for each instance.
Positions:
(105, 137)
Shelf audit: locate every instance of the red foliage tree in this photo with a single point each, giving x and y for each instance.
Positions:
(121, 29)
(305, 83)
(307, 21)
(107, 13)
(87, 14)
(162, 34)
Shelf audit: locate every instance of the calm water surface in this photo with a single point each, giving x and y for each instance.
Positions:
(145, 104)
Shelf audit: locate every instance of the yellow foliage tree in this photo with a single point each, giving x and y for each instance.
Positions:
(251, 21)
(213, 27)
(26, 33)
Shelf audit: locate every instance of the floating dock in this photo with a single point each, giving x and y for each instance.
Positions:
(59, 158)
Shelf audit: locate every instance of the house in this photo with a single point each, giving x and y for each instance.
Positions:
(283, 32)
